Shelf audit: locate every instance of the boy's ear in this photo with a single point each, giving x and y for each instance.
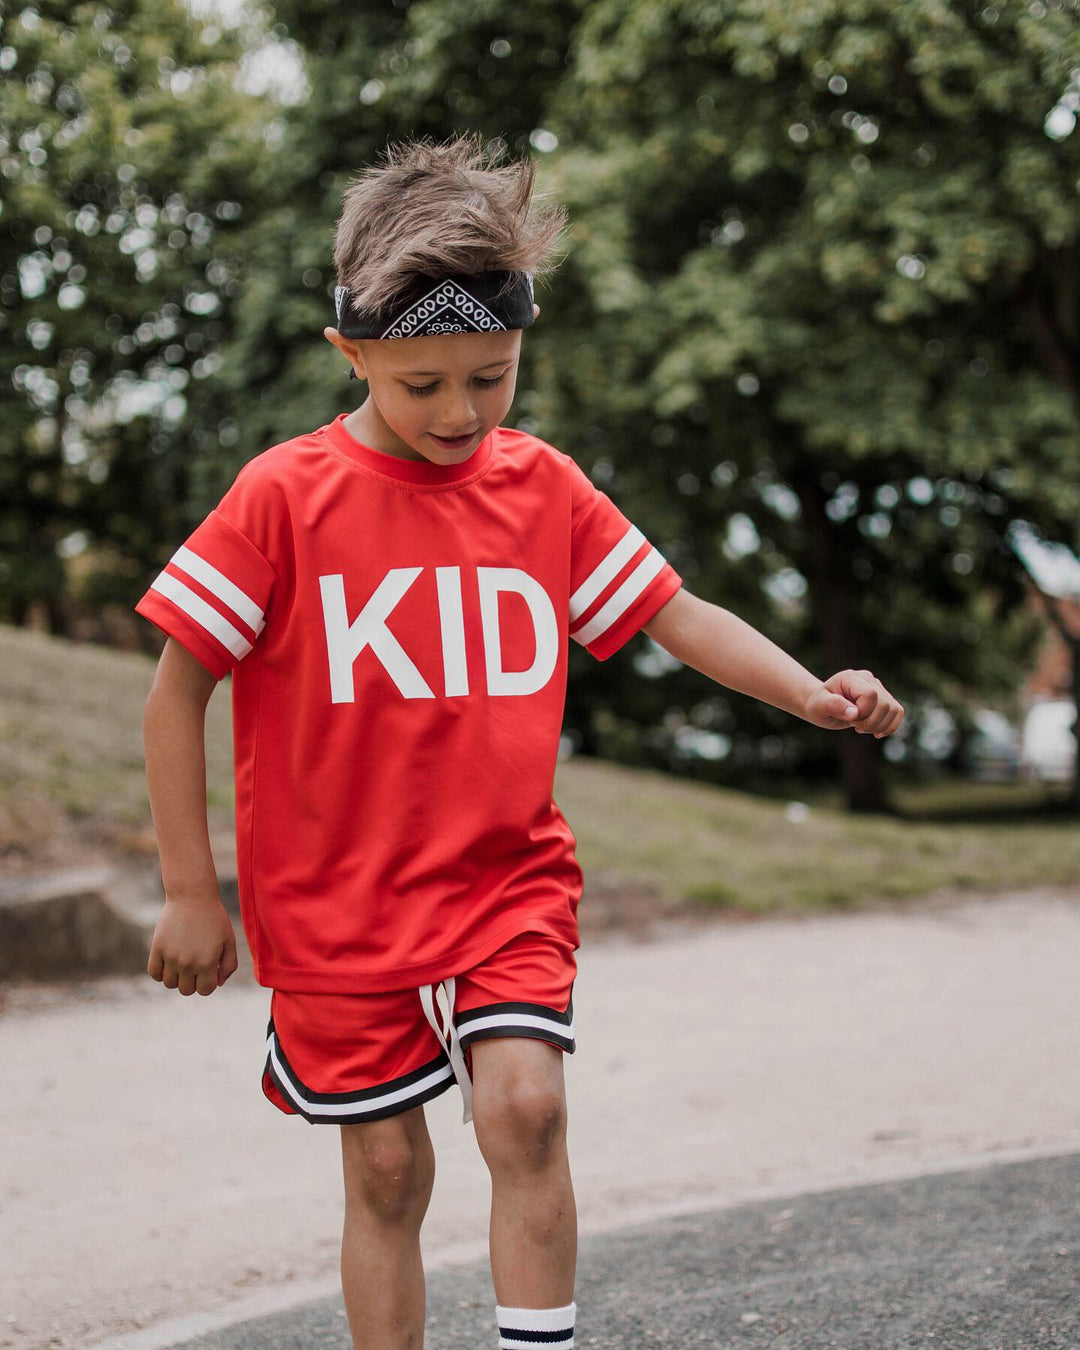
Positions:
(536, 311)
(350, 349)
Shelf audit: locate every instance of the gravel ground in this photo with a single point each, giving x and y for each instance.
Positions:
(987, 1259)
(144, 1178)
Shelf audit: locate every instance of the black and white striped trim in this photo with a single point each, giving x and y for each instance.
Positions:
(351, 1108)
(527, 1328)
(518, 1019)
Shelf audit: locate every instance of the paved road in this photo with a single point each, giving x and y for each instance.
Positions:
(987, 1259)
(716, 1066)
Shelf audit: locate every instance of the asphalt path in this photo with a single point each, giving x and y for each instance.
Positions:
(986, 1258)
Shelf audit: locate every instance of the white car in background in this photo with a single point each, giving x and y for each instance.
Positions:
(992, 753)
(1047, 743)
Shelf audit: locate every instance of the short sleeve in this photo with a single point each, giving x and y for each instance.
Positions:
(214, 592)
(618, 580)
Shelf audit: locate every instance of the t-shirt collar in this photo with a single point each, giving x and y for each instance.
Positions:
(405, 470)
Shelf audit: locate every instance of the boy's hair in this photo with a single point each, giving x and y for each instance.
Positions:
(438, 210)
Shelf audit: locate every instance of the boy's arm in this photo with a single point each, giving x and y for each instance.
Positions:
(193, 948)
(722, 646)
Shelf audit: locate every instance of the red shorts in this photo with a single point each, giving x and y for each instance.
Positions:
(347, 1058)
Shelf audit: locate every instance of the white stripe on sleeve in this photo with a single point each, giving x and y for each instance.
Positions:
(195, 607)
(624, 597)
(217, 583)
(608, 570)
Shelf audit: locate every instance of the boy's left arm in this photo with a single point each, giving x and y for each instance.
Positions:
(731, 652)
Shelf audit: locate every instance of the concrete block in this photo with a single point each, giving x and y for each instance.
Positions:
(64, 924)
(84, 921)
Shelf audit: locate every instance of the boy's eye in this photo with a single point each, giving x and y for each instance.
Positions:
(424, 390)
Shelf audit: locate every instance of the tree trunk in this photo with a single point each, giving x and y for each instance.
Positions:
(1050, 313)
(56, 615)
(830, 596)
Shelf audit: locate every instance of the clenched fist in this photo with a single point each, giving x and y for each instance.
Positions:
(854, 698)
(194, 947)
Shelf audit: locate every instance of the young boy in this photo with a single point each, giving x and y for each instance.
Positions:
(393, 594)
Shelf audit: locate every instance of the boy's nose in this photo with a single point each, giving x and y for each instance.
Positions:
(458, 417)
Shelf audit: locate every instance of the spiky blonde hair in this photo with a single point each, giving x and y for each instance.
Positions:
(438, 209)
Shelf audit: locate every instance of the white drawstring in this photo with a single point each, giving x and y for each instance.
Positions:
(448, 1038)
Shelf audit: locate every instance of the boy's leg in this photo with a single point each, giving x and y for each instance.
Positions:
(389, 1169)
(367, 1063)
(519, 1113)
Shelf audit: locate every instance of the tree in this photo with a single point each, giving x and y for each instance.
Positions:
(812, 241)
(129, 159)
(816, 332)
(206, 292)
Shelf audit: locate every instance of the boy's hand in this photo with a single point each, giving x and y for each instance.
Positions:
(854, 698)
(193, 948)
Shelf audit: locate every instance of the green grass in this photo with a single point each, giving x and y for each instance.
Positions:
(724, 849)
(72, 769)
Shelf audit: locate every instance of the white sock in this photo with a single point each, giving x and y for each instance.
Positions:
(533, 1328)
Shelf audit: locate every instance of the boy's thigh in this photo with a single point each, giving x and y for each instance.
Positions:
(352, 1059)
(517, 1080)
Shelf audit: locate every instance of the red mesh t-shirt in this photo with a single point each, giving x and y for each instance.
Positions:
(397, 636)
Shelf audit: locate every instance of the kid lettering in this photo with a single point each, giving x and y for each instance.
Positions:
(345, 641)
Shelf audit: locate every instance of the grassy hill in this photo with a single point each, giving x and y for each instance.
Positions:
(72, 789)
(72, 782)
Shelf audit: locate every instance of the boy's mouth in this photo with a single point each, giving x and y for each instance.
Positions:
(453, 442)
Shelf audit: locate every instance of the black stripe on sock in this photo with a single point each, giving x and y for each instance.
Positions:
(538, 1337)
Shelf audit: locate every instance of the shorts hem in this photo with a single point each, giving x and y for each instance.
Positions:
(387, 1099)
(533, 1020)
(528, 1033)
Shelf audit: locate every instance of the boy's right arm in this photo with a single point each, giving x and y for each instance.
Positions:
(194, 947)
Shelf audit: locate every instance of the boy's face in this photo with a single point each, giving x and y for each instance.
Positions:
(432, 398)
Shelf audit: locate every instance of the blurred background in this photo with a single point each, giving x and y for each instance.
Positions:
(816, 332)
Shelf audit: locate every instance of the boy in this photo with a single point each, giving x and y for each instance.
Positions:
(393, 594)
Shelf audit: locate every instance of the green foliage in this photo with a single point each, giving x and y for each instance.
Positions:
(129, 160)
(828, 256)
(816, 332)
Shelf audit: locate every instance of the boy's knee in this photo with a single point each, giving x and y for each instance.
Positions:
(522, 1124)
(384, 1171)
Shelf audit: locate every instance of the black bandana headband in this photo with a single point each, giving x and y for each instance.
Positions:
(483, 302)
